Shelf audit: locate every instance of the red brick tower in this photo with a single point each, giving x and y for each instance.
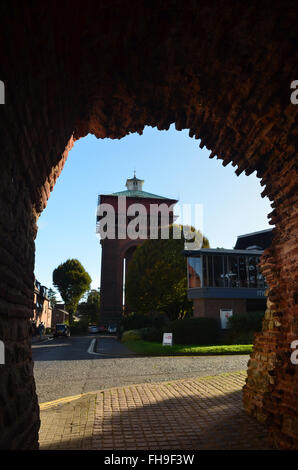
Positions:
(118, 245)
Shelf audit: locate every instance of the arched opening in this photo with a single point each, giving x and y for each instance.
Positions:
(66, 226)
(149, 69)
(126, 260)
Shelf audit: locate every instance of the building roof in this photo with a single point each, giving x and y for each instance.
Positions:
(135, 179)
(135, 189)
(137, 193)
(261, 240)
(249, 244)
(60, 310)
(221, 251)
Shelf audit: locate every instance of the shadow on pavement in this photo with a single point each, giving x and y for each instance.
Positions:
(146, 417)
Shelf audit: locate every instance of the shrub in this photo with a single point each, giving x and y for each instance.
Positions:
(135, 321)
(199, 331)
(151, 334)
(241, 338)
(242, 327)
(79, 328)
(250, 321)
(131, 335)
(158, 320)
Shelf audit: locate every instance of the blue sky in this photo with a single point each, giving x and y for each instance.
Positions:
(172, 165)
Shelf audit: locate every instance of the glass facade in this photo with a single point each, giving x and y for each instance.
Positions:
(225, 270)
(194, 268)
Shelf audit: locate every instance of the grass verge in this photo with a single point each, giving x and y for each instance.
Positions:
(157, 349)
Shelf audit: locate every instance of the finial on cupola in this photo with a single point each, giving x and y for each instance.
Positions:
(134, 184)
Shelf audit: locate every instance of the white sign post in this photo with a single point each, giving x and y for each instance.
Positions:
(224, 316)
(167, 339)
(2, 353)
(2, 93)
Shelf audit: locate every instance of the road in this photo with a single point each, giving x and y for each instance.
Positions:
(64, 367)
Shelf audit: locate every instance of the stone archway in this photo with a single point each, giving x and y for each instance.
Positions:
(222, 70)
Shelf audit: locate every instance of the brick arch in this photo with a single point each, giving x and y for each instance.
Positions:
(131, 244)
(222, 70)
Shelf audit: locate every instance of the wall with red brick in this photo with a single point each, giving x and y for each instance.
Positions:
(59, 316)
(220, 69)
(115, 250)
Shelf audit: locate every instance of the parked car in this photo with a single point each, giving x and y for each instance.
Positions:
(61, 329)
(93, 329)
(102, 329)
(112, 329)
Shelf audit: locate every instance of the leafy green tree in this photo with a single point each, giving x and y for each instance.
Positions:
(90, 308)
(72, 281)
(52, 297)
(156, 277)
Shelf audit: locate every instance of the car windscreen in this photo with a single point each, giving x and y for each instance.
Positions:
(60, 327)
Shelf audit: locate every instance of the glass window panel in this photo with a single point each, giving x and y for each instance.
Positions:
(260, 278)
(218, 271)
(229, 271)
(252, 271)
(232, 279)
(243, 278)
(210, 271)
(194, 268)
(205, 270)
(224, 261)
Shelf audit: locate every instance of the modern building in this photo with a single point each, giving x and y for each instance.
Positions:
(42, 311)
(223, 282)
(118, 243)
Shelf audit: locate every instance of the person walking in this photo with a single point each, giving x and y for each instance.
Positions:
(40, 329)
(33, 328)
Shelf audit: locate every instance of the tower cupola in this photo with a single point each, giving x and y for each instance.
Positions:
(134, 184)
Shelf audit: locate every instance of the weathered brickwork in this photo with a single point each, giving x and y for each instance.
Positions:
(220, 69)
(19, 414)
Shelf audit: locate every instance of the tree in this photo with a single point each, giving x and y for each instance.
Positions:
(90, 308)
(156, 277)
(52, 297)
(72, 281)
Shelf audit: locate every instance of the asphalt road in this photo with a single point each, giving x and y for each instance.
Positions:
(64, 367)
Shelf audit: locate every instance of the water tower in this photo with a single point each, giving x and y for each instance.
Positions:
(118, 248)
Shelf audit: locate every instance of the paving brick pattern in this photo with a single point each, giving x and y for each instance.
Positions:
(68, 425)
(204, 413)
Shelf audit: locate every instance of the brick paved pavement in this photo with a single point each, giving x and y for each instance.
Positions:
(203, 413)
